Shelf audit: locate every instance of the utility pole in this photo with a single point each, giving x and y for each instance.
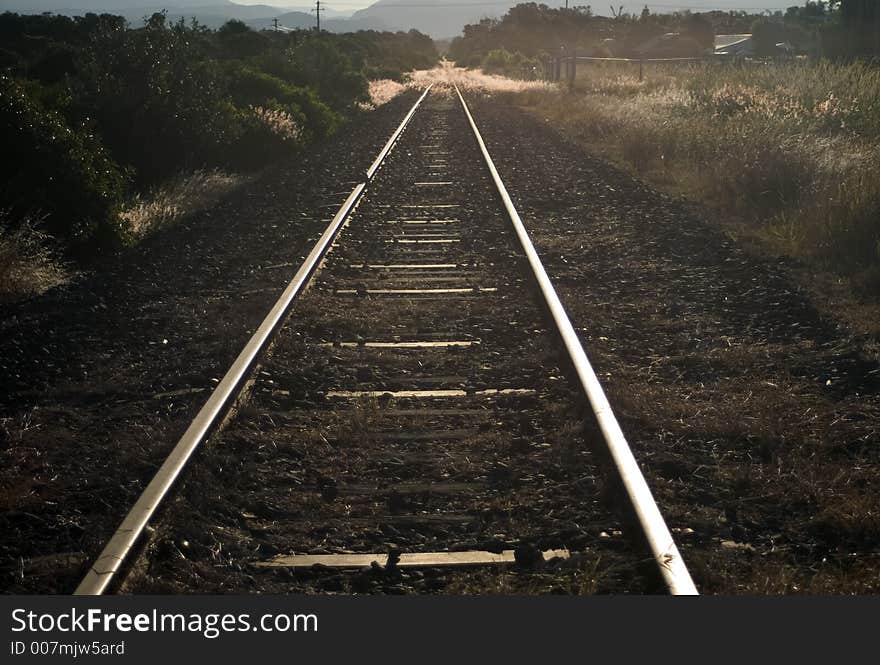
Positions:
(275, 21)
(318, 11)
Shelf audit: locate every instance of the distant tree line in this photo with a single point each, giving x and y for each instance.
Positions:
(855, 30)
(840, 29)
(92, 108)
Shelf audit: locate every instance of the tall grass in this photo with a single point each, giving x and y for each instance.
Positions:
(28, 265)
(186, 194)
(383, 91)
(444, 76)
(790, 150)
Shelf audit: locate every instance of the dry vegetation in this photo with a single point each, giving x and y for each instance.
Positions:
(785, 154)
(184, 195)
(28, 265)
(445, 75)
(383, 91)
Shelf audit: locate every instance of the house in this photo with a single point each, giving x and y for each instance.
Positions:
(734, 45)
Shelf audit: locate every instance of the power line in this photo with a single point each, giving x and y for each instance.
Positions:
(318, 9)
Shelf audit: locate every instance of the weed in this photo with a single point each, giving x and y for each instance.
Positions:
(787, 151)
(383, 91)
(185, 194)
(28, 264)
(445, 76)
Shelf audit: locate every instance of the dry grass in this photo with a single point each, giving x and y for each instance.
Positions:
(794, 467)
(279, 122)
(787, 155)
(444, 76)
(28, 265)
(182, 196)
(383, 91)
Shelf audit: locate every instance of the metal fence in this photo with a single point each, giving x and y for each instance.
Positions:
(565, 64)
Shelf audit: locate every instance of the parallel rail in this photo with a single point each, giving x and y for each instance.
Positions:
(115, 553)
(662, 546)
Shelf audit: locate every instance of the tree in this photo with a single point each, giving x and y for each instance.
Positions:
(237, 40)
(59, 173)
(698, 28)
(322, 67)
(811, 10)
(767, 34)
(858, 33)
(859, 11)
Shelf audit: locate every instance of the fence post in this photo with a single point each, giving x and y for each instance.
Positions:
(641, 62)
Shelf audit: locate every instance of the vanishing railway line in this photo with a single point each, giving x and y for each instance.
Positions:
(428, 407)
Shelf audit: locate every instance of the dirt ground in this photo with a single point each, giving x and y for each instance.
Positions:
(755, 419)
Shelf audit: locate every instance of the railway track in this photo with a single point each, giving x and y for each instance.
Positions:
(427, 409)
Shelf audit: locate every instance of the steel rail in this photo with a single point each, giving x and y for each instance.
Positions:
(662, 546)
(384, 152)
(121, 543)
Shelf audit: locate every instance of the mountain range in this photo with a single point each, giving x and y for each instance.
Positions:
(212, 13)
(431, 17)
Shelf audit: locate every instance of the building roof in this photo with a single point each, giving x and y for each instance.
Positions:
(723, 41)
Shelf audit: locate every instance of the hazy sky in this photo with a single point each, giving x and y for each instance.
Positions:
(599, 7)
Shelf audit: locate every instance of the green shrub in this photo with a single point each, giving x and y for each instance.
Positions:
(380, 72)
(261, 134)
(60, 174)
(250, 87)
(318, 65)
(500, 61)
(156, 102)
(497, 61)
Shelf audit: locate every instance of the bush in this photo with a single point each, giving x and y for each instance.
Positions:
(262, 134)
(497, 61)
(318, 65)
(250, 87)
(156, 102)
(384, 73)
(500, 61)
(60, 174)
